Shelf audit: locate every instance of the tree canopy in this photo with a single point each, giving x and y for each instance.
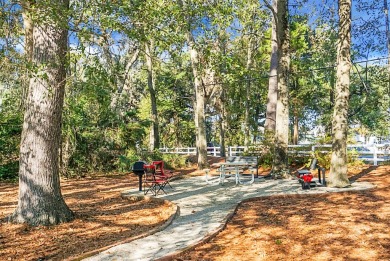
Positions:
(130, 75)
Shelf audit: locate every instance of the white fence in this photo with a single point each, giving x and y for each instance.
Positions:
(369, 153)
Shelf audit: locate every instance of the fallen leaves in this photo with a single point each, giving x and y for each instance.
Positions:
(338, 226)
(98, 222)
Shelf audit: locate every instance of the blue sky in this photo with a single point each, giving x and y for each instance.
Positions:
(368, 23)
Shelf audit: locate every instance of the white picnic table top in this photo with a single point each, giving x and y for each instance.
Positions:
(224, 166)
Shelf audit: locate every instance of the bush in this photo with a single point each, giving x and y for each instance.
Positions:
(325, 158)
(172, 161)
(265, 151)
(123, 163)
(9, 171)
(10, 132)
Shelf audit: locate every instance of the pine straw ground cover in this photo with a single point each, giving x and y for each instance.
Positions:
(103, 218)
(344, 226)
(338, 226)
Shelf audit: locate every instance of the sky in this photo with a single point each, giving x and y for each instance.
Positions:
(368, 23)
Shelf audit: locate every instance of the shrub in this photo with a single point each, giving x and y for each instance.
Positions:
(325, 158)
(9, 171)
(171, 161)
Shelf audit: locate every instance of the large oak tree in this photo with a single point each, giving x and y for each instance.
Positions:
(40, 200)
(338, 168)
(280, 161)
(272, 97)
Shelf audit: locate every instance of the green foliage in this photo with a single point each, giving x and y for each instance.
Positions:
(174, 161)
(266, 160)
(99, 134)
(323, 159)
(125, 162)
(9, 171)
(265, 152)
(324, 140)
(171, 161)
(10, 133)
(353, 158)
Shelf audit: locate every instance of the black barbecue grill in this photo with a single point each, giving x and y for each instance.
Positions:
(138, 169)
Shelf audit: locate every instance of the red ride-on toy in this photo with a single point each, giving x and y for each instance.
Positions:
(306, 178)
(306, 181)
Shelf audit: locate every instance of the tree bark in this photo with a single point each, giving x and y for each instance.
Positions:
(270, 118)
(40, 200)
(28, 49)
(200, 122)
(154, 135)
(280, 166)
(222, 124)
(249, 65)
(125, 87)
(199, 103)
(338, 166)
(296, 128)
(221, 103)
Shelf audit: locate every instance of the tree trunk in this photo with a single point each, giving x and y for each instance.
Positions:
(338, 165)
(296, 128)
(296, 104)
(328, 125)
(270, 118)
(126, 84)
(199, 104)
(387, 43)
(154, 135)
(40, 200)
(221, 103)
(28, 49)
(222, 124)
(249, 64)
(200, 123)
(280, 166)
(222, 151)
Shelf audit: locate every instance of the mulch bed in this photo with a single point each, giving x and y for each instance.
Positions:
(103, 218)
(340, 226)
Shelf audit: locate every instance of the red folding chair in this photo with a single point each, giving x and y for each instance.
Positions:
(152, 182)
(161, 173)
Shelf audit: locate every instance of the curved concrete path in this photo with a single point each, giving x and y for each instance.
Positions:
(204, 210)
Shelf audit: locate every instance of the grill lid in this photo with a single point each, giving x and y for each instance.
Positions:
(138, 168)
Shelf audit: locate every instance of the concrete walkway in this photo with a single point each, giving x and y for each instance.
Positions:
(204, 210)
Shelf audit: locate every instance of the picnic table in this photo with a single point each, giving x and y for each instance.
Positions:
(226, 169)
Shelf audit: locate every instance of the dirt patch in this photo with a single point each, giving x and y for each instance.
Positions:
(339, 226)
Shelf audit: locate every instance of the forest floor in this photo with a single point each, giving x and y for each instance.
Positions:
(102, 218)
(335, 226)
(338, 226)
